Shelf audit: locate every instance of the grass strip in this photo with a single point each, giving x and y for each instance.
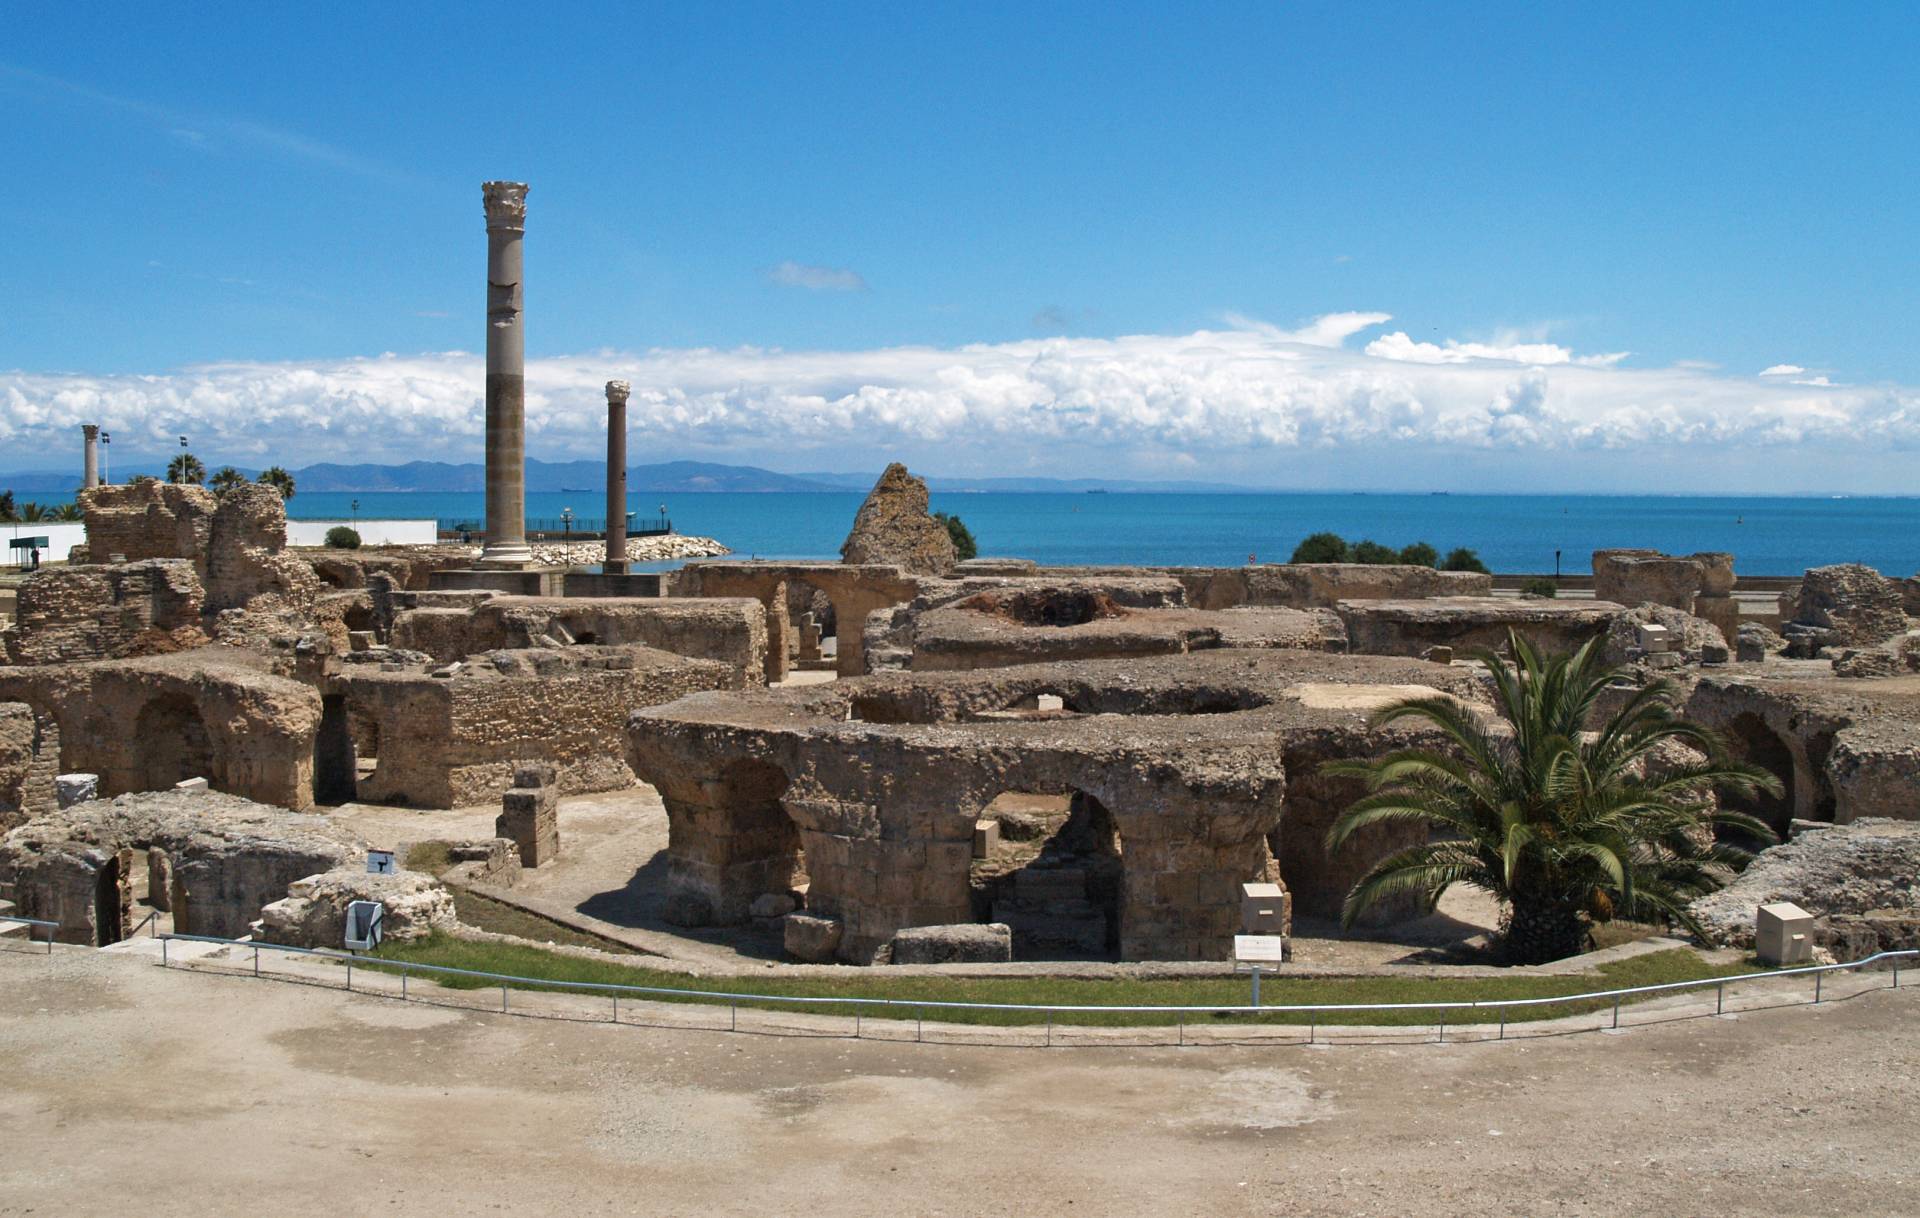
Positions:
(1678, 964)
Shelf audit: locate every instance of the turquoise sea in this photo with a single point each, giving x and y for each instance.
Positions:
(1512, 533)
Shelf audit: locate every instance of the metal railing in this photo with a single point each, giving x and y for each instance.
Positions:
(30, 923)
(734, 1000)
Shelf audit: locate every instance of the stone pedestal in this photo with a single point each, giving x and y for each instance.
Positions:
(506, 208)
(530, 814)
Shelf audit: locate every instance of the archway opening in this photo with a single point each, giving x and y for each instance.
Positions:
(173, 743)
(1752, 741)
(764, 853)
(336, 773)
(110, 901)
(815, 625)
(1056, 878)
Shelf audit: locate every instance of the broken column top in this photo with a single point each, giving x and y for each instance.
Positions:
(506, 204)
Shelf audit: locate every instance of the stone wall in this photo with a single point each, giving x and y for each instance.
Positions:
(1322, 585)
(1411, 628)
(145, 724)
(72, 614)
(453, 741)
(729, 631)
(148, 520)
(246, 556)
(29, 759)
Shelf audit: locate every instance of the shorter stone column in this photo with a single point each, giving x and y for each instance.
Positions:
(90, 468)
(530, 813)
(617, 393)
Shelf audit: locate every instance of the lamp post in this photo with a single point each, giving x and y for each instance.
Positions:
(355, 508)
(106, 459)
(566, 522)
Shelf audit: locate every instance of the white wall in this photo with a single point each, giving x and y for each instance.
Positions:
(372, 532)
(61, 537)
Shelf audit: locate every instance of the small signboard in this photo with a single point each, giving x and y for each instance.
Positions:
(380, 862)
(1262, 950)
(364, 925)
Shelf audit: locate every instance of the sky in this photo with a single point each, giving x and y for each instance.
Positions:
(1617, 247)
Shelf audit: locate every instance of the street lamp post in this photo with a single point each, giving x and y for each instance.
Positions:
(566, 522)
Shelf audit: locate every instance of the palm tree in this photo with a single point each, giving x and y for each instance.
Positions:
(225, 479)
(34, 513)
(7, 509)
(277, 478)
(1566, 826)
(186, 468)
(69, 511)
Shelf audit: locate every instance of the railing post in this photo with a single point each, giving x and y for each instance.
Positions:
(1896, 961)
(1183, 1028)
(256, 960)
(1720, 998)
(163, 948)
(1503, 1023)
(1443, 1025)
(1616, 1010)
(856, 1023)
(919, 1023)
(1312, 1020)
(1816, 987)
(616, 1006)
(403, 983)
(349, 974)
(1049, 1029)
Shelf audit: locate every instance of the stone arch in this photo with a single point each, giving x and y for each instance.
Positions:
(1750, 739)
(1066, 898)
(173, 742)
(730, 840)
(1319, 879)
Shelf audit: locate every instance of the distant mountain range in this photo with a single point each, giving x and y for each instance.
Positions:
(679, 477)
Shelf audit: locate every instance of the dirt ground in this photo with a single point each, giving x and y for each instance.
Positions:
(125, 1086)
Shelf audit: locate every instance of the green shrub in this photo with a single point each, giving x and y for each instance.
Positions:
(1321, 547)
(340, 537)
(964, 546)
(1464, 559)
(1540, 586)
(1420, 554)
(1374, 554)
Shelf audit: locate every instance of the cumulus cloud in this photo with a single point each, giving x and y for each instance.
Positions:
(792, 274)
(1238, 400)
(1783, 370)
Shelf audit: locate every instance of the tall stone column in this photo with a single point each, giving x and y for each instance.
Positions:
(506, 204)
(617, 392)
(90, 470)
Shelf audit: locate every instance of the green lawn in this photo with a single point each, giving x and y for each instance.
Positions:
(533, 962)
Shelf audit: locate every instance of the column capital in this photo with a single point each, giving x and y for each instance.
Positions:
(90, 430)
(506, 205)
(618, 392)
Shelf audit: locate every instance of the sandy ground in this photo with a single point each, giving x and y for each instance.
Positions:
(123, 1086)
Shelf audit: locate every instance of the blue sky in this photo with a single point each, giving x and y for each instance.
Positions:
(821, 236)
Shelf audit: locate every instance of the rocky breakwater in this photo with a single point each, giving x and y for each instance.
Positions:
(639, 549)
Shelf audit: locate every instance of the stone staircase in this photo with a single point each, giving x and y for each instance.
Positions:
(1051, 917)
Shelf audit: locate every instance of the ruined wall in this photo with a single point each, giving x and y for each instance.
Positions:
(231, 858)
(246, 554)
(29, 760)
(71, 614)
(1322, 585)
(145, 724)
(453, 741)
(732, 632)
(147, 520)
(1411, 628)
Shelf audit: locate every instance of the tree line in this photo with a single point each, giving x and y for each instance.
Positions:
(1331, 547)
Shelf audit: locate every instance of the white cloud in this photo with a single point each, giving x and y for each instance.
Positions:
(817, 278)
(1252, 404)
(1330, 330)
(1398, 346)
(1783, 370)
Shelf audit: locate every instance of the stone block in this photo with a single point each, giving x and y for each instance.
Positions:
(534, 774)
(961, 943)
(530, 816)
(159, 879)
(1265, 909)
(191, 784)
(772, 905)
(1654, 637)
(1440, 655)
(986, 838)
(811, 939)
(1783, 934)
(71, 789)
